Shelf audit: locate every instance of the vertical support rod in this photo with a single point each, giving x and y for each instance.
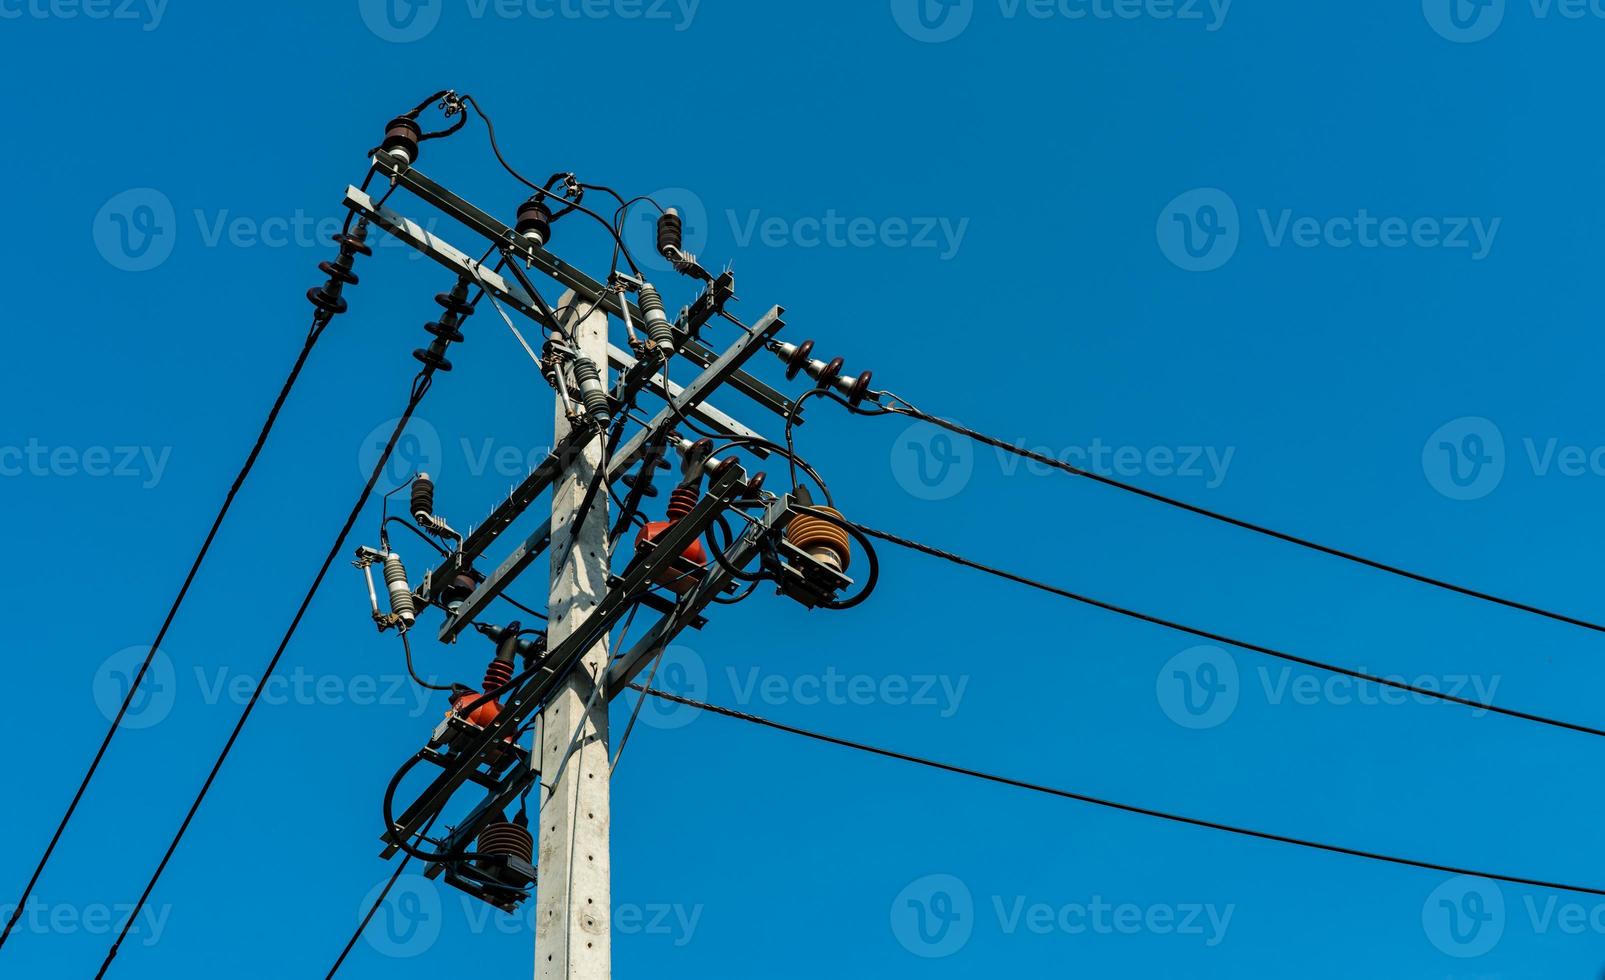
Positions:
(573, 936)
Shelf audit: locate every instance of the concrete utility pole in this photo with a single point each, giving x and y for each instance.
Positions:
(573, 909)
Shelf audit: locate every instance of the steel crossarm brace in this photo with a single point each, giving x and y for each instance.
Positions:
(514, 295)
(692, 395)
(562, 658)
(567, 275)
(526, 493)
(630, 663)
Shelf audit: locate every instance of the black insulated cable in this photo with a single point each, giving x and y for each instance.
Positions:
(1111, 804)
(1269, 532)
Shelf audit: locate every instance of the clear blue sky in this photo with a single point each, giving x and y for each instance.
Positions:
(1303, 238)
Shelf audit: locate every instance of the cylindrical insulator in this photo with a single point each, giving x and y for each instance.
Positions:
(423, 498)
(534, 222)
(658, 327)
(822, 538)
(458, 591)
(591, 391)
(503, 839)
(671, 232)
(794, 356)
(401, 140)
(400, 592)
(681, 501)
(497, 674)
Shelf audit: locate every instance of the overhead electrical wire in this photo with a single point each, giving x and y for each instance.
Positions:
(320, 321)
(420, 388)
(1111, 804)
(384, 893)
(910, 411)
(1222, 638)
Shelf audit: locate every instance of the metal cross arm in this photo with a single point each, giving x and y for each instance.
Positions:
(411, 233)
(563, 657)
(567, 275)
(690, 397)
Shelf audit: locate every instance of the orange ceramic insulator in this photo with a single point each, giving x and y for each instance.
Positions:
(824, 539)
(482, 715)
(683, 575)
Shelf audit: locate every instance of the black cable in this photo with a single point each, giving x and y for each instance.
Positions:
(426, 539)
(1221, 638)
(1248, 525)
(783, 451)
(384, 893)
(420, 388)
(1112, 805)
(569, 205)
(413, 673)
(319, 322)
(521, 607)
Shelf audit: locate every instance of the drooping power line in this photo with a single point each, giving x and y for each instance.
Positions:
(1113, 805)
(1191, 508)
(1214, 637)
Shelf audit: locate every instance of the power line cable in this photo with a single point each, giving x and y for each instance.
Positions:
(1222, 638)
(1372, 563)
(421, 386)
(384, 893)
(320, 322)
(1113, 805)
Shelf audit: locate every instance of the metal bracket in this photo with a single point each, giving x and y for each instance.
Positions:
(568, 276)
(721, 370)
